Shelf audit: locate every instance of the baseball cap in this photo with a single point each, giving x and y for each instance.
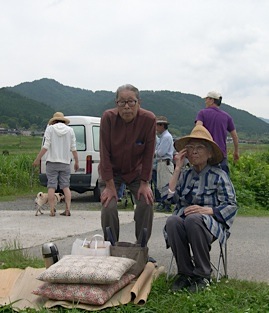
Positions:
(213, 95)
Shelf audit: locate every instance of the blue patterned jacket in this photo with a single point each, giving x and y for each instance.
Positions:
(211, 187)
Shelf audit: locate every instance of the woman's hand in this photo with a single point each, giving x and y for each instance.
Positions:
(179, 158)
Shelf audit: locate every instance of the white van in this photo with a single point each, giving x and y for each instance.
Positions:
(87, 130)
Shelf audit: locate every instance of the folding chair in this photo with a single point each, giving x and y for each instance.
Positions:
(220, 268)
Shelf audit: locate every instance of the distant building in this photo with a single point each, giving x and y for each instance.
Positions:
(5, 131)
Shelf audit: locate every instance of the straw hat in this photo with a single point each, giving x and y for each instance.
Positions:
(161, 120)
(200, 132)
(58, 116)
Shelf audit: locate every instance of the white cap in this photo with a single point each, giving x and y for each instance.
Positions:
(213, 95)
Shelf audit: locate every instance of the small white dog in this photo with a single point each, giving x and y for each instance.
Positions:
(42, 199)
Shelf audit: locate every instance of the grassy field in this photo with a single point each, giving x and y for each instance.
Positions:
(16, 144)
(248, 148)
(31, 144)
(250, 174)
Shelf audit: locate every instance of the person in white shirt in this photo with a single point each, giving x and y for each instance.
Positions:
(59, 141)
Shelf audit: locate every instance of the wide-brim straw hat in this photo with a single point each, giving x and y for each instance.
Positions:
(200, 132)
(58, 116)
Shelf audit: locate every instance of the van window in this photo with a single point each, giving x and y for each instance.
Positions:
(79, 131)
(96, 134)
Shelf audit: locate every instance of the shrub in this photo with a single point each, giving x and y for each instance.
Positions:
(17, 174)
(250, 176)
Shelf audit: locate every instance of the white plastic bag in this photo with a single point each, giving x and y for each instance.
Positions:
(94, 247)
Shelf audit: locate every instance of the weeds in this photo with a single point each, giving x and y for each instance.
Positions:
(13, 256)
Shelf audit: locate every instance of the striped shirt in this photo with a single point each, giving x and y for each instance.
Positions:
(211, 187)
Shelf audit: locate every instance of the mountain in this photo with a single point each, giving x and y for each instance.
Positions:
(17, 111)
(179, 108)
(264, 119)
(70, 100)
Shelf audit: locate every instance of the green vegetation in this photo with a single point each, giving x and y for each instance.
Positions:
(18, 144)
(17, 175)
(19, 112)
(12, 255)
(250, 175)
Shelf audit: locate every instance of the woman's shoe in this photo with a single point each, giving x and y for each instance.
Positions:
(66, 213)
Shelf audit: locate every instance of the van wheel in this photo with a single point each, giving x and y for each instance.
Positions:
(96, 194)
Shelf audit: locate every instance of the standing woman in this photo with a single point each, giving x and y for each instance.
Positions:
(60, 142)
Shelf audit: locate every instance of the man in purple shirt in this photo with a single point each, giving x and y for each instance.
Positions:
(127, 145)
(218, 123)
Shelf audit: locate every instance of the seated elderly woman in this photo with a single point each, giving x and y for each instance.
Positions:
(205, 208)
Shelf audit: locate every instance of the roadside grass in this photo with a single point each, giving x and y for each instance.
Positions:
(226, 296)
(13, 256)
(22, 194)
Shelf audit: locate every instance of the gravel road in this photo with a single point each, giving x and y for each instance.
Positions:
(248, 246)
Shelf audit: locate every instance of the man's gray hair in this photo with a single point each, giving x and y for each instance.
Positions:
(128, 87)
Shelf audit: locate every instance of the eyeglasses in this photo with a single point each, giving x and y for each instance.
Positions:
(122, 103)
(198, 148)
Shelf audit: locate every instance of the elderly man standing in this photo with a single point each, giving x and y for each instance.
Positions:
(127, 143)
(218, 123)
(164, 156)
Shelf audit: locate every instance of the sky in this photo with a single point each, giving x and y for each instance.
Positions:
(190, 46)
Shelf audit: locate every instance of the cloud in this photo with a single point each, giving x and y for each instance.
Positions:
(190, 46)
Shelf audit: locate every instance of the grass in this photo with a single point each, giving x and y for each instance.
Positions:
(248, 148)
(13, 256)
(226, 296)
(15, 144)
(250, 211)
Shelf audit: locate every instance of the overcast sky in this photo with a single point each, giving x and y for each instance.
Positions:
(191, 46)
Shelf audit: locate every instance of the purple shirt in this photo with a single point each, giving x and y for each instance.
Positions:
(127, 149)
(218, 123)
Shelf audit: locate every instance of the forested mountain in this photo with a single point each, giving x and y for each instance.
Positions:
(17, 112)
(70, 100)
(180, 108)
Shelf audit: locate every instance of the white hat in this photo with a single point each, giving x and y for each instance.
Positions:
(213, 95)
